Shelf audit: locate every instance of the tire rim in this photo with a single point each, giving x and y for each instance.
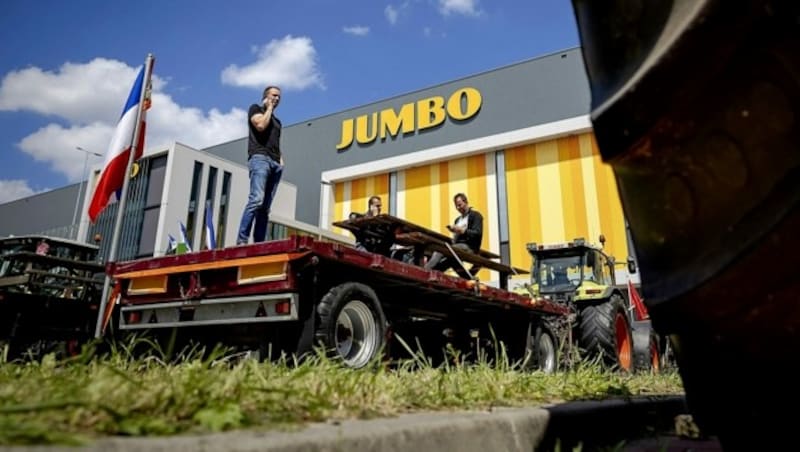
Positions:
(356, 334)
(547, 353)
(623, 341)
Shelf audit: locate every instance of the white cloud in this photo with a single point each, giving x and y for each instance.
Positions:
(464, 7)
(391, 14)
(89, 99)
(12, 190)
(77, 92)
(290, 63)
(356, 30)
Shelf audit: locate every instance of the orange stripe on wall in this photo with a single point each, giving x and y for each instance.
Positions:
(358, 195)
(612, 221)
(381, 184)
(338, 197)
(476, 191)
(417, 193)
(445, 205)
(572, 190)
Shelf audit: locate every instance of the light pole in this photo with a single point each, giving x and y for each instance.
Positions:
(80, 187)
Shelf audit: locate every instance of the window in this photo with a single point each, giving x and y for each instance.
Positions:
(156, 171)
(211, 188)
(191, 215)
(224, 206)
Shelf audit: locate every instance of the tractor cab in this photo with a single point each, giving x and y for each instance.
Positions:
(572, 271)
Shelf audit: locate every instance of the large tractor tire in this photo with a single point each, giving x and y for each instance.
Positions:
(646, 348)
(605, 329)
(352, 326)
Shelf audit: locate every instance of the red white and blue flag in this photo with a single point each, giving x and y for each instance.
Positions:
(118, 153)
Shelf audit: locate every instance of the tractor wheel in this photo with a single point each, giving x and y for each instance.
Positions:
(352, 326)
(604, 329)
(541, 349)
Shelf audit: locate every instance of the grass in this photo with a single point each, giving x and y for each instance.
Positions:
(70, 401)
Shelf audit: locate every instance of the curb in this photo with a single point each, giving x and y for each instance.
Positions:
(507, 429)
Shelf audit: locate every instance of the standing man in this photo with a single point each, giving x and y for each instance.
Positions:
(265, 164)
(467, 232)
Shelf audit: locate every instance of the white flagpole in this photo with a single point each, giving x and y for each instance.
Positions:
(112, 255)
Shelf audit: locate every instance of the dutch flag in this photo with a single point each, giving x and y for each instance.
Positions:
(117, 155)
(211, 238)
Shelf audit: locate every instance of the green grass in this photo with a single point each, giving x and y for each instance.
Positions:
(69, 401)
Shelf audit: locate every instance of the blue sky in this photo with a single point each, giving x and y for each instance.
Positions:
(66, 67)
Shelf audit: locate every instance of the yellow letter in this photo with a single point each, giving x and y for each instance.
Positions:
(347, 135)
(391, 122)
(363, 134)
(474, 101)
(430, 112)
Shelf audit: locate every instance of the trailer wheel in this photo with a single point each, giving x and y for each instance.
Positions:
(605, 329)
(541, 349)
(646, 348)
(352, 326)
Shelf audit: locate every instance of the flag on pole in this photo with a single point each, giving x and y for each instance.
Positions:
(118, 152)
(171, 243)
(211, 238)
(639, 309)
(184, 245)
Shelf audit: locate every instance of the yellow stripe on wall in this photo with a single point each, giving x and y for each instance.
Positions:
(524, 209)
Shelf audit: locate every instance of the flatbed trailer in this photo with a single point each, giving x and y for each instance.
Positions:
(293, 294)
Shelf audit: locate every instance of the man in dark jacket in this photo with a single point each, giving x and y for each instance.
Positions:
(467, 232)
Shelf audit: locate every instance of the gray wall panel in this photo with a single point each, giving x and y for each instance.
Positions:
(50, 212)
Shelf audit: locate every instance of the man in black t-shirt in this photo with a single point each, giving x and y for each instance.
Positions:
(265, 164)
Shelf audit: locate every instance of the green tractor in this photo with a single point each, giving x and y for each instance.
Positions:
(581, 275)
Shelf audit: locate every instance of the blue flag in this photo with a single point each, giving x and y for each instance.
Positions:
(211, 238)
(184, 245)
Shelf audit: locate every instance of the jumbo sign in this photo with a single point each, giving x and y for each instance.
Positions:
(430, 112)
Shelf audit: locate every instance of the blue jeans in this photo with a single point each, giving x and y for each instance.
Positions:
(265, 174)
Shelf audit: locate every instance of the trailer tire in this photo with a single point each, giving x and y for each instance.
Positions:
(605, 329)
(541, 349)
(352, 326)
(646, 348)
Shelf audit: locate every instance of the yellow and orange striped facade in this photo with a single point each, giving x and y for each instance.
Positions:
(550, 191)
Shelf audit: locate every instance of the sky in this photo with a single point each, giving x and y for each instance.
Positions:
(66, 67)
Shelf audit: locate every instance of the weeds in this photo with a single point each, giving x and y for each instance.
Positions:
(139, 389)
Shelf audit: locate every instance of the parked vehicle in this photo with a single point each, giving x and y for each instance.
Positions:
(286, 296)
(609, 326)
(49, 294)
